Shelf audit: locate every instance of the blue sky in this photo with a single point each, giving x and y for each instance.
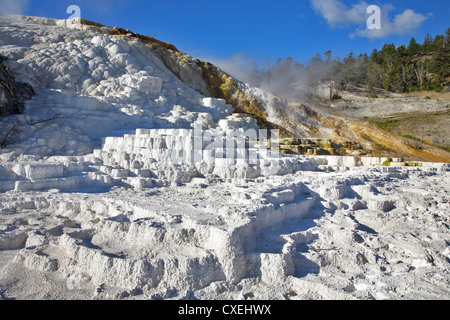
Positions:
(259, 30)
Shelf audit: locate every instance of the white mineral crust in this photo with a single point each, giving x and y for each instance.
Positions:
(112, 199)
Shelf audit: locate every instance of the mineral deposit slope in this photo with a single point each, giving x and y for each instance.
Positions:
(105, 192)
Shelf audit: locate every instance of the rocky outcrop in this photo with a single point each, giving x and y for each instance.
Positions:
(316, 147)
(13, 94)
(213, 82)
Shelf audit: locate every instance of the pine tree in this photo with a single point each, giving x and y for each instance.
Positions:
(389, 52)
(413, 47)
(348, 70)
(440, 64)
(447, 38)
(375, 76)
(427, 44)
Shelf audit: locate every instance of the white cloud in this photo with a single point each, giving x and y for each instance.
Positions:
(337, 14)
(13, 6)
(404, 23)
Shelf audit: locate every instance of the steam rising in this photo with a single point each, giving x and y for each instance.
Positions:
(285, 78)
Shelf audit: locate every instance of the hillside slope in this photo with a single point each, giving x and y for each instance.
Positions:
(294, 120)
(422, 118)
